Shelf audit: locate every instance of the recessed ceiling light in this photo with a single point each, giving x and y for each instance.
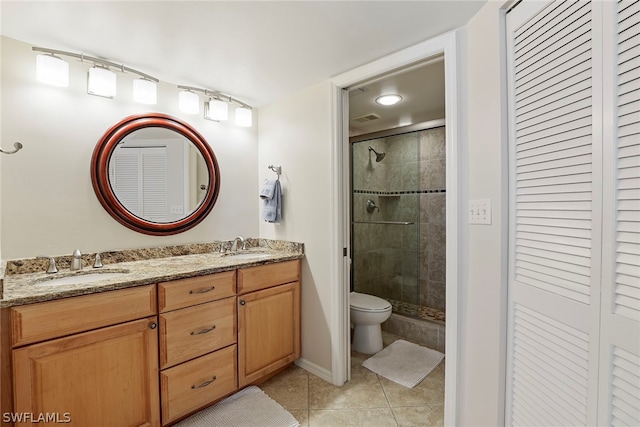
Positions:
(388, 99)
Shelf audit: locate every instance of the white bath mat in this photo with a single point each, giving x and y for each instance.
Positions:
(250, 407)
(404, 363)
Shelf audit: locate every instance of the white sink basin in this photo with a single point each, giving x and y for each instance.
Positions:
(248, 256)
(80, 278)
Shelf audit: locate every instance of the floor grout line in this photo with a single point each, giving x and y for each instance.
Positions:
(387, 399)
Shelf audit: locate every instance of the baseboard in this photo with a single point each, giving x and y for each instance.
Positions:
(316, 370)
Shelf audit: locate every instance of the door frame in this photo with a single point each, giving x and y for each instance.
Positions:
(446, 44)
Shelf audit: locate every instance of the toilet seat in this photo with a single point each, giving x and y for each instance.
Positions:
(369, 303)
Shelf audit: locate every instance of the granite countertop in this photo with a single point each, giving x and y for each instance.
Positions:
(21, 285)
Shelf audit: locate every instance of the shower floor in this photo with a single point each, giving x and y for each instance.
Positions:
(425, 313)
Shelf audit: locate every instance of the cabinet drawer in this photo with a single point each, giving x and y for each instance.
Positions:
(192, 385)
(52, 319)
(264, 276)
(194, 331)
(195, 290)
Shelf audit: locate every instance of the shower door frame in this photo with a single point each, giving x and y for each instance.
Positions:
(446, 44)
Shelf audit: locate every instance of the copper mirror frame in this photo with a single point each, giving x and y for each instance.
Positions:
(102, 187)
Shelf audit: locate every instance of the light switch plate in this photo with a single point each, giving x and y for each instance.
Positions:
(480, 211)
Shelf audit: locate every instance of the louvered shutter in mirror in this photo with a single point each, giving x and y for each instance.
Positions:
(138, 176)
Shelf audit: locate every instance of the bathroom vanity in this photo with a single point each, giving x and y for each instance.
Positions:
(152, 354)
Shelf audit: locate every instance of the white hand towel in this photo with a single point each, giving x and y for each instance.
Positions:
(268, 188)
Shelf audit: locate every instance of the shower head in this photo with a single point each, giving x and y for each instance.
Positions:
(379, 156)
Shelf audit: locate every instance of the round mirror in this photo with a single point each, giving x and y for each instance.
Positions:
(155, 174)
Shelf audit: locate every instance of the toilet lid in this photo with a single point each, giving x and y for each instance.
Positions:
(367, 302)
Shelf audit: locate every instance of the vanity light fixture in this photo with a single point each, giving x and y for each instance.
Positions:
(145, 91)
(188, 102)
(52, 70)
(102, 82)
(243, 116)
(388, 99)
(216, 109)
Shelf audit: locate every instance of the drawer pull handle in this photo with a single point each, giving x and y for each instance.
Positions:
(204, 331)
(204, 384)
(153, 325)
(202, 291)
(242, 302)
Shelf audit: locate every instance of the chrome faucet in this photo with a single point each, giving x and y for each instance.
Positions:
(53, 268)
(76, 261)
(97, 263)
(234, 246)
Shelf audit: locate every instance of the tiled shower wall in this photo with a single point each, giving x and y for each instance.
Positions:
(403, 263)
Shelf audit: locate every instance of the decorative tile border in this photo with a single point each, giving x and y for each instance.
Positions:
(399, 193)
(424, 313)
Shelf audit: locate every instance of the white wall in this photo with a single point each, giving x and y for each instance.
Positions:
(2, 142)
(295, 133)
(482, 324)
(48, 204)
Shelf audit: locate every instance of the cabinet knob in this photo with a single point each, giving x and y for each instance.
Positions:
(153, 325)
(242, 302)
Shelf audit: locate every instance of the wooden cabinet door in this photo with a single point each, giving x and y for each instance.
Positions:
(268, 331)
(106, 377)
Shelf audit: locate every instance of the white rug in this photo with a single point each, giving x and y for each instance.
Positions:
(404, 363)
(250, 407)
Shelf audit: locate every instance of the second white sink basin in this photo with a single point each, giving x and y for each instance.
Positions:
(80, 278)
(248, 256)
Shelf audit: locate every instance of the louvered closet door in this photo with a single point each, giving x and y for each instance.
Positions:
(620, 336)
(555, 214)
(574, 279)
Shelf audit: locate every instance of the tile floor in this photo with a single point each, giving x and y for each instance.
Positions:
(368, 400)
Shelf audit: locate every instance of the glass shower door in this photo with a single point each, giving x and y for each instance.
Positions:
(385, 220)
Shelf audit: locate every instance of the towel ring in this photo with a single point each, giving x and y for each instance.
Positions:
(276, 169)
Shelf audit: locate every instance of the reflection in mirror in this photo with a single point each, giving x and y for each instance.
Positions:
(158, 175)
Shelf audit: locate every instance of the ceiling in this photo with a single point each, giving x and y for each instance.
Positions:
(421, 88)
(255, 51)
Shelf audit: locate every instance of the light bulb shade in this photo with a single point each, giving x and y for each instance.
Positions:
(243, 116)
(52, 70)
(102, 82)
(218, 110)
(145, 91)
(388, 99)
(188, 102)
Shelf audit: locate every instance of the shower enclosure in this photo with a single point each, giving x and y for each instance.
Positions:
(398, 220)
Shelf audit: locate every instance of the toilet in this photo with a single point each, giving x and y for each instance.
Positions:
(367, 314)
